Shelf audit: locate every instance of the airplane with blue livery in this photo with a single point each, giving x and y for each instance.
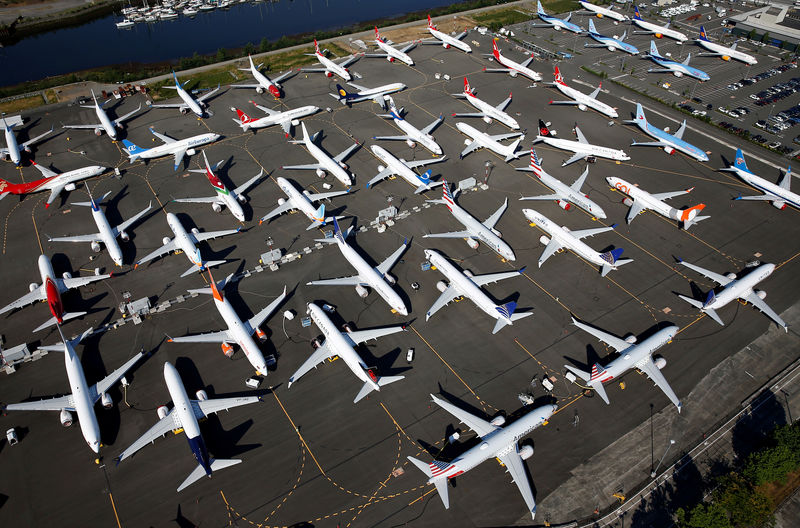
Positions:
(611, 43)
(779, 194)
(554, 22)
(678, 69)
(669, 142)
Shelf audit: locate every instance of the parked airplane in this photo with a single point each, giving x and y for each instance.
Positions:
(478, 140)
(183, 417)
(466, 284)
(286, 119)
(497, 442)
(483, 231)
(562, 237)
(610, 43)
(391, 53)
(50, 291)
(446, 40)
(779, 194)
(669, 142)
(486, 111)
(196, 106)
(375, 277)
(177, 147)
(511, 67)
(302, 201)
(186, 241)
(404, 169)
(649, 28)
(603, 12)
(83, 397)
(631, 355)
(341, 344)
(376, 95)
(230, 198)
(329, 67)
(734, 288)
(678, 69)
(239, 332)
(581, 100)
(12, 148)
(264, 83)
(106, 234)
(582, 149)
(638, 200)
(52, 181)
(724, 52)
(334, 165)
(413, 135)
(555, 22)
(105, 125)
(564, 195)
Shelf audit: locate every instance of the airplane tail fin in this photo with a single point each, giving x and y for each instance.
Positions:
(316, 47)
(689, 216)
(506, 313)
(342, 95)
(244, 119)
(430, 24)
(612, 258)
(543, 130)
(441, 484)
(495, 51)
(592, 29)
(654, 49)
(467, 89)
(447, 196)
(636, 15)
(559, 79)
(51, 321)
(703, 35)
(539, 8)
(595, 381)
(739, 163)
(377, 33)
(133, 150)
(8, 187)
(200, 471)
(639, 118)
(536, 163)
(319, 214)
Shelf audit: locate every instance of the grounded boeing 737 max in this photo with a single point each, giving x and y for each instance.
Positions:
(196, 106)
(486, 111)
(302, 201)
(446, 40)
(12, 148)
(264, 83)
(649, 28)
(669, 142)
(554, 22)
(638, 200)
(610, 43)
(582, 149)
(678, 69)
(325, 163)
(511, 67)
(404, 169)
(478, 140)
(105, 125)
(498, 440)
(391, 53)
(329, 67)
(603, 12)
(724, 52)
(52, 181)
(779, 194)
(413, 135)
(376, 95)
(286, 119)
(177, 147)
(581, 100)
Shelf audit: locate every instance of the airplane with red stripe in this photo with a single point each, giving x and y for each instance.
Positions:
(264, 83)
(52, 181)
(498, 440)
(632, 355)
(50, 291)
(580, 99)
(511, 67)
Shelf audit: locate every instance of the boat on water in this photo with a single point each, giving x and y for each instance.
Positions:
(127, 23)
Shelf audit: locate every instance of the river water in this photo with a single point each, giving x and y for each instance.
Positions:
(100, 43)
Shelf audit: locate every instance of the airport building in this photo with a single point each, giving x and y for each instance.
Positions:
(780, 25)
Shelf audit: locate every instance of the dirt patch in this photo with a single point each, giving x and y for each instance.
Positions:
(777, 492)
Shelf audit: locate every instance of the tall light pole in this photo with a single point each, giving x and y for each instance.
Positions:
(653, 473)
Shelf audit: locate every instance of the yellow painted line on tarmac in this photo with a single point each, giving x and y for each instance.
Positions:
(422, 496)
(114, 507)
(443, 361)
(297, 430)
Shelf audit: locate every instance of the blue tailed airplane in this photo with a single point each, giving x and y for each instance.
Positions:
(678, 69)
(669, 142)
(611, 43)
(554, 22)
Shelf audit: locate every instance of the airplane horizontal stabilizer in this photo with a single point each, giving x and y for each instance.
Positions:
(600, 390)
(500, 324)
(52, 320)
(366, 389)
(585, 376)
(385, 380)
(713, 314)
(441, 484)
(200, 471)
(693, 302)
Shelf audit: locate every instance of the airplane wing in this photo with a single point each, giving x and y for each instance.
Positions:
(384, 267)
(286, 125)
(180, 106)
(376, 55)
(502, 106)
(324, 196)
(575, 157)
(444, 299)
(54, 192)
(77, 282)
(492, 220)
(249, 183)
(310, 166)
(36, 295)
(77, 238)
(204, 408)
(36, 139)
(612, 341)
(223, 336)
(319, 355)
(361, 336)
(382, 175)
(204, 199)
(430, 128)
(756, 301)
(500, 137)
(552, 246)
(47, 173)
(393, 138)
(544, 197)
(490, 278)
(451, 234)
(127, 116)
(98, 125)
(660, 70)
(284, 76)
(345, 153)
(255, 321)
(497, 70)
(652, 371)
(596, 91)
(104, 384)
(214, 234)
(681, 130)
(314, 70)
(515, 466)
(411, 46)
(634, 211)
(580, 181)
(668, 195)
(179, 157)
(163, 137)
(169, 247)
(347, 62)
(479, 425)
(422, 163)
(722, 280)
(472, 147)
(49, 404)
(170, 422)
(585, 233)
(564, 102)
(286, 207)
(650, 144)
(245, 86)
(580, 136)
(470, 114)
(207, 95)
(354, 280)
(132, 220)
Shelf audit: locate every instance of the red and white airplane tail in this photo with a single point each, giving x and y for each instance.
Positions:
(559, 79)
(495, 51)
(316, 47)
(467, 88)
(430, 24)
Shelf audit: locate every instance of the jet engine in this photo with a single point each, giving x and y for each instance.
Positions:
(162, 412)
(33, 287)
(471, 242)
(526, 452)
(627, 202)
(565, 205)
(66, 275)
(630, 338)
(216, 207)
(498, 421)
(261, 335)
(677, 74)
(390, 279)
(361, 291)
(315, 344)
(726, 57)
(659, 35)
(98, 131)
(328, 74)
(669, 150)
(281, 201)
(69, 187)
(441, 286)
(166, 240)
(446, 45)
(410, 143)
(191, 152)
(184, 110)
(260, 89)
(381, 168)
(347, 328)
(582, 107)
(201, 395)
(343, 165)
(95, 246)
(241, 198)
(106, 400)
(390, 58)
(496, 232)
(4, 157)
(610, 48)
(295, 122)
(124, 236)
(731, 276)
(320, 173)
(557, 28)
(761, 294)
(513, 73)
(227, 349)
(487, 120)
(195, 231)
(544, 240)
(467, 142)
(468, 273)
(779, 205)
(660, 362)
(65, 417)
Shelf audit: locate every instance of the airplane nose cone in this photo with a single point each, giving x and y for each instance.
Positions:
(402, 311)
(95, 447)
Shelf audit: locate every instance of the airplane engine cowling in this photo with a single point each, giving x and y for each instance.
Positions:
(731, 276)
(390, 59)
(69, 187)
(260, 89)
(65, 417)
(162, 412)
(261, 335)
(201, 395)
(362, 291)
(95, 246)
(779, 205)
(446, 45)
(582, 107)
(627, 202)
(513, 73)
(410, 143)
(295, 122)
(191, 152)
(467, 142)
(526, 452)
(677, 74)
(216, 207)
(669, 150)
(471, 242)
(761, 294)
(241, 198)
(281, 201)
(227, 349)
(98, 131)
(66, 275)
(343, 165)
(630, 338)
(544, 240)
(726, 57)
(441, 286)
(610, 48)
(106, 400)
(487, 120)
(166, 240)
(315, 344)
(33, 287)
(390, 279)
(498, 421)
(496, 232)
(4, 157)
(320, 173)
(195, 231)
(184, 110)
(659, 35)
(557, 28)
(124, 236)
(347, 328)
(660, 362)
(469, 274)
(565, 205)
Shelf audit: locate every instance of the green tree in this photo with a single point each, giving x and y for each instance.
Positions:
(766, 38)
(703, 515)
(746, 506)
(752, 34)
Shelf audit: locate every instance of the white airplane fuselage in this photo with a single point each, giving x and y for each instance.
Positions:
(333, 68)
(397, 166)
(765, 186)
(329, 164)
(517, 68)
(298, 200)
(740, 288)
(464, 285)
(184, 410)
(647, 200)
(84, 407)
(238, 331)
(105, 122)
(386, 89)
(426, 140)
(289, 115)
(181, 144)
(567, 240)
(183, 239)
(637, 354)
(12, 145)
(369, 275)
(485, 141)
(603, 12)
(448, 41)
(188, 100)
(585, 148)
(725, 51)
(584, 101)
(107, 235)
(73, 176)
(567, 193)
(660, 30)
(393, 52)
(490, 112)
(482, 233)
